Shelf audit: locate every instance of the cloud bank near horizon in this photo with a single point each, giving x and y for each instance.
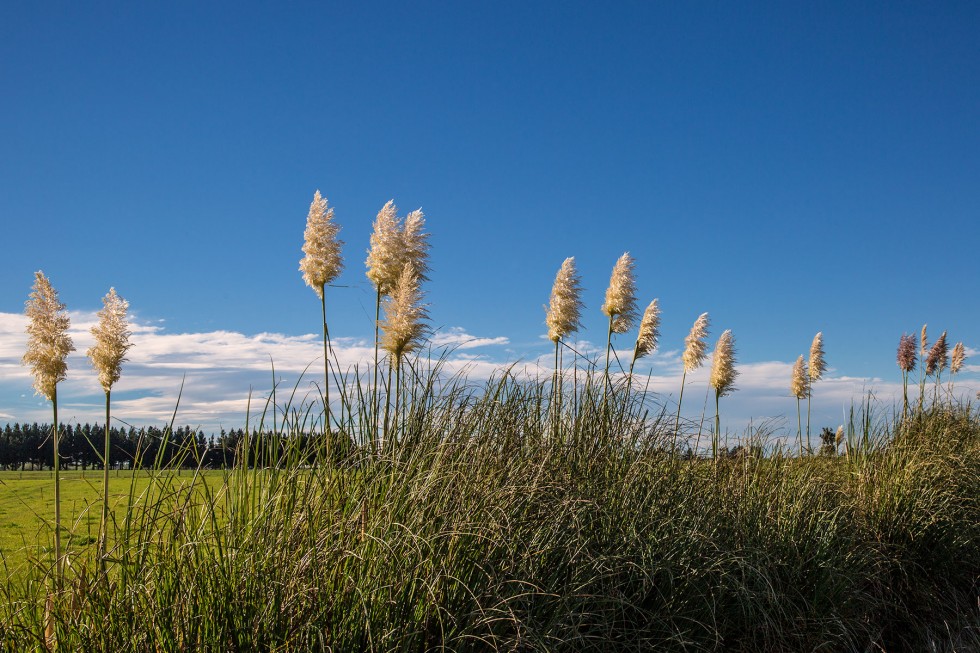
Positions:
(218, 376)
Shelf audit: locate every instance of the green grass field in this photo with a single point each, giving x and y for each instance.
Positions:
(27, 509)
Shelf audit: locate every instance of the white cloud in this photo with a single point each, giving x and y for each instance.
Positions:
(220, 369)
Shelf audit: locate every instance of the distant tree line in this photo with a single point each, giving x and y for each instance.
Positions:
(30, 447)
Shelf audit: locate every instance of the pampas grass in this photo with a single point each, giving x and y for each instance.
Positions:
(322, 264)
(722, 379)
(695, 348)
(906, 362)
(957, 360)
(403, 328)
(495, 523)
(111, 344)
(563, 317)
(48, 345)
(815, 370)
(800, 387)
(395, 243)
(564, 309)
(620, 304)
(646, 339)
(937, 360)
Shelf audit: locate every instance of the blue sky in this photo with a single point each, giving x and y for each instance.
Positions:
(787, 167)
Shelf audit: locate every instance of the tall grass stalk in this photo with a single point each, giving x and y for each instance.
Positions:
(620, 304)
(815, 369)
(321, 264)
(723, 374)
(800, 387)
(107, 355)
(48, 345)
(693, 357)
(906, 362)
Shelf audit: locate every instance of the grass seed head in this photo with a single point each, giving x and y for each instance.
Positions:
(938, 357)
(565, 307)
(405, 314)
(817, 366)
(646, 341)
(111, 339)
(906, 353)
(958, 358)
(839, 436)
(620, 304)
(323, 262)
(385, 260)
(48, 342)
(800, 385)
(695, 347)
(415, 244)
(723, 370)
(923, 343)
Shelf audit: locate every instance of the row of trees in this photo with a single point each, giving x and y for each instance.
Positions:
(30, 447)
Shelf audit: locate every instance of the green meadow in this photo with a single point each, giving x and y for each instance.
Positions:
(27, 505)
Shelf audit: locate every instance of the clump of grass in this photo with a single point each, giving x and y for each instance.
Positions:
(476, 531)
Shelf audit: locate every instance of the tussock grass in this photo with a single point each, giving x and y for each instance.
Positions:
(490, 520)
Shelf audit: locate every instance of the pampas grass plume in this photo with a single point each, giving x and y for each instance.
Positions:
(817, 366)
(48, 342)
(723, 370)
(323, 262)
(405, 315)
(695, 349)
(906, 353)
(415, 244)
(111, 339)
(385, 257)
(958, 358)
(620, 304)
(646, 340)
(565, 307)
(938, 356)
(800, 385)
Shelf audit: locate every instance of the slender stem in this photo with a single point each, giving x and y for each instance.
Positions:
(608, 348)
(103, 528)
(799, 426)
(388, 400)
(905, 393)
(677, 421)
(375, 406)
(399, 405)
(556, 390)
(326, 359)
(57, 491)
(808, 395)
(715, 440)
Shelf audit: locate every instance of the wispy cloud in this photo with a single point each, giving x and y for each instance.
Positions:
(215, 378)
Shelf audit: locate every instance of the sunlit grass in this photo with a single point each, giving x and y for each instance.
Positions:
(484, 525)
